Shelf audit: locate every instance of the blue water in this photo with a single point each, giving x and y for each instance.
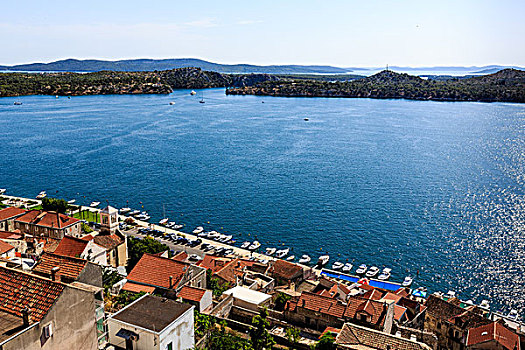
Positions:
(413, 185)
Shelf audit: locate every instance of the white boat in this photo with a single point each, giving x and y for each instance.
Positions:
(323, 260)
(372, 272)
(337, 265)
(513, 315)
(41, 195)
(385, 274)
(255, 245)
(172, 103)
(270, 251)
(143, 217)
(213, 235)
(225, 238)
(193, 92)
(177, 227)
(202, 234)
(305, 259)
(245, 245)
(134, 212)
(94, 204)
(290, 258)
(198, 230)
(361, 270)
(485, 305)
(2, 190)
(124, 210)
(407, 282)
(282, 253)
(451, 294)
(347, 268)
(163, 221)
(71, 201)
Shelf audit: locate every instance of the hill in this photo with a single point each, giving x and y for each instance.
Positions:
(73, 65)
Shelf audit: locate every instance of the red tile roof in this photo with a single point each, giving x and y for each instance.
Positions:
(108, 241)
(318, 303)
(71, 246)
(391, 296)
(214, 263)
(286, 270)
(399, 311)
(19, 290)
(9, 235)
(191, 293)
(494, 332)
(233, 269)
(5, 247)
(373, 294)
(375, 309)
(137, 288)
(70, 267)
(10, 212)
(182, 256)
(156, 271)
(47, 219)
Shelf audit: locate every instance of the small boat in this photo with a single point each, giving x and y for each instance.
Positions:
(17, 103)
(513, 315)
(41, 195)
(172, 103)
(451, 294)
(143, 217)
(290, 258)
(282, 253)
(56, 96)
(94, 204)
(347, 268)
(407, 282)
(255, 245)
(306, 119)
(134, 212)
(198, 230)
(225, 238)
(177, 227)
(71, 201)
(337, 265)
(485, 305)
(305, 259)
(202, 101)
(193, 93)
(124, 210)
(163, 221)
(2, 190)
(323, 260)
(245, 245)
(385, 274)
(213, 235)
(372, 272)
(270, 251)
(361, 270)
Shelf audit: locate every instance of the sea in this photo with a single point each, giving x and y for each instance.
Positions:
(434, 190)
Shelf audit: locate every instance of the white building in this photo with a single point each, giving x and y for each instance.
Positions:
(248, 298)
(152, 322)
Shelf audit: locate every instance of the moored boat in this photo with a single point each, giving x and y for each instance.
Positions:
(290, 258)
(2, 190)
(245, 245)
(198, 230)
(347, 268)
(385, 274)
(282, 253)
(254, 246)
(163, 221)
(71, 201)
(41, 195)
(305, 259)
(407, 282)
(193, 92)
(361, 270)
(124, 210)
(372, 272)
(337, 265)
(270, 251)
(323, 260)
(94, 204)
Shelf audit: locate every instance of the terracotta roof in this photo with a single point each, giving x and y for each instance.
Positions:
(286, 270)
(373, 294)
(182, 256)
(392, 297)
(318, 303)
(375, 309)
(70, 246)
(5, 247)
(47, 219)
(214, 263)
(19, 290)
(108, 241)
(191, 293)
(9, 235)
(70, 267)
(402, 292)
(10, 212)
(357, 337)
(156, 271)
(494, 332)
(233, 269)
(399, 311)
(137, 288)
(50, 245)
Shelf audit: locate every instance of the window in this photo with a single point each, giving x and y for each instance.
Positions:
(170, 346)
(47, 332)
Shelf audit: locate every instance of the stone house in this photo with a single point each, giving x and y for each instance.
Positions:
(37, 313)
(50, 224)
(81, 248)
(8, 216)
(153, 323)
(286, 273)
(115, 245)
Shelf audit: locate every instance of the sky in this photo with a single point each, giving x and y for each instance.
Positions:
(346, 33)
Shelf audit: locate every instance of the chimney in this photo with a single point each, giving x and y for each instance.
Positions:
(54, 272)
(26, 316)
(58, 220)
(171, 281)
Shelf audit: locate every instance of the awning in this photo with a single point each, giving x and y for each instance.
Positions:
(127, 334)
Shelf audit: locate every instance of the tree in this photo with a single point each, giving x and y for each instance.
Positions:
(292, 334)
(261, 338)
(326, 342)
(281, 300)
(137, 247)
(54, 204)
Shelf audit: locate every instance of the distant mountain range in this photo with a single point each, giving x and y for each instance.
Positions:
(74, 65)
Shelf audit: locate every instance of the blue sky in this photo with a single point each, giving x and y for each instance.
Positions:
(342, 33)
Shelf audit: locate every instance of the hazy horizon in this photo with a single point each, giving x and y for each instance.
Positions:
(343, 34)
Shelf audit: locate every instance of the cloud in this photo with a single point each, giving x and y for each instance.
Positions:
(202, 23)
(249, 22)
